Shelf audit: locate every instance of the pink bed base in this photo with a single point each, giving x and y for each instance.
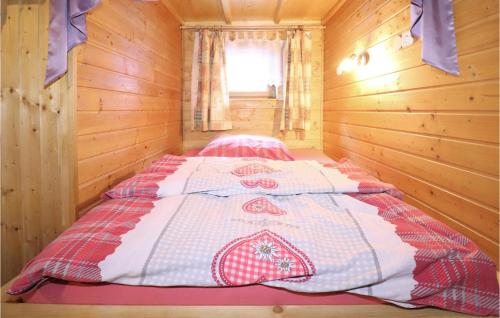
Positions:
(114, 294)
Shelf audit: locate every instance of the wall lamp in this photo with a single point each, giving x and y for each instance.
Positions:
(352, 62)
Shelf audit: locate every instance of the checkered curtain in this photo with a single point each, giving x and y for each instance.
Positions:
(209, 93)
(297, 81)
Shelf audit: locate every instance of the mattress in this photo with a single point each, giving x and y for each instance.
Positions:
(114, 294)
(55, 292)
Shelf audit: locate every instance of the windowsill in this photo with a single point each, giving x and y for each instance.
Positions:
(252, 98)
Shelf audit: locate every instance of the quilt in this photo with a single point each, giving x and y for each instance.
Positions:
(322, 240)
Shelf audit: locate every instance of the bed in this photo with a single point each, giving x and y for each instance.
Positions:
(38, 291)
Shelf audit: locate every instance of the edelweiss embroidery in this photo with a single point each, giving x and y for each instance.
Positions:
(263, 256)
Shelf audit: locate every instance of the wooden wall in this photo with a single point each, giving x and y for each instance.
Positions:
(129, 93)
(37, 153)
(256, 116)
(433, 135)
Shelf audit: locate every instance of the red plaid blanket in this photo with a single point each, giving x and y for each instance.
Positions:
(451, 271)
(367, 183)
(145, 184)
(74, 255)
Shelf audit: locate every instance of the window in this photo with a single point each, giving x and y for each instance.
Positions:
(252, 66)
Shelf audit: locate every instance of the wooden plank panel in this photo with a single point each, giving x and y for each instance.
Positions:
(100, 143)
(50, 154)
(467, 12)
(474, 67)
(96, 122)
(391, 27)
(152, 132)
(376, 18)
(463, 154)
(111, 19)
(37, 160)
(98, 166)
(94, 167)
(12, 218)
(111, 61)
(90, 192)
(96, 144)
(395, 60)
(339, 45)
(129, 93)
(29, 142)
(479, 96)
(473, 126)
(351, 14)
(463, 23)
(67, 144)
(100, 99)
(475, 186)
(55, 167)
(101, 36)
(435, 136)
(91, 76)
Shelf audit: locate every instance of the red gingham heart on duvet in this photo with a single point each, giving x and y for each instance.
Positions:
(251, 169)
(260, 257)
(264, 183)
(262, 205)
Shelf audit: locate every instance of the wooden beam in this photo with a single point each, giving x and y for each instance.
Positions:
(279, 11)
(332, 11)
(172, 10)
(226, 10)
(17, 310)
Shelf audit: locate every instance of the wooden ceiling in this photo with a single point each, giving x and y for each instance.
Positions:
(253, 11)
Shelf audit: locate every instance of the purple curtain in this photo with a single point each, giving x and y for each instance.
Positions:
(433, 22)
(67, 28)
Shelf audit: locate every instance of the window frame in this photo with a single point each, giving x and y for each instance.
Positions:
(265, 94)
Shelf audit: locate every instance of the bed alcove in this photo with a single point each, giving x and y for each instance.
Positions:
(125, 102)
